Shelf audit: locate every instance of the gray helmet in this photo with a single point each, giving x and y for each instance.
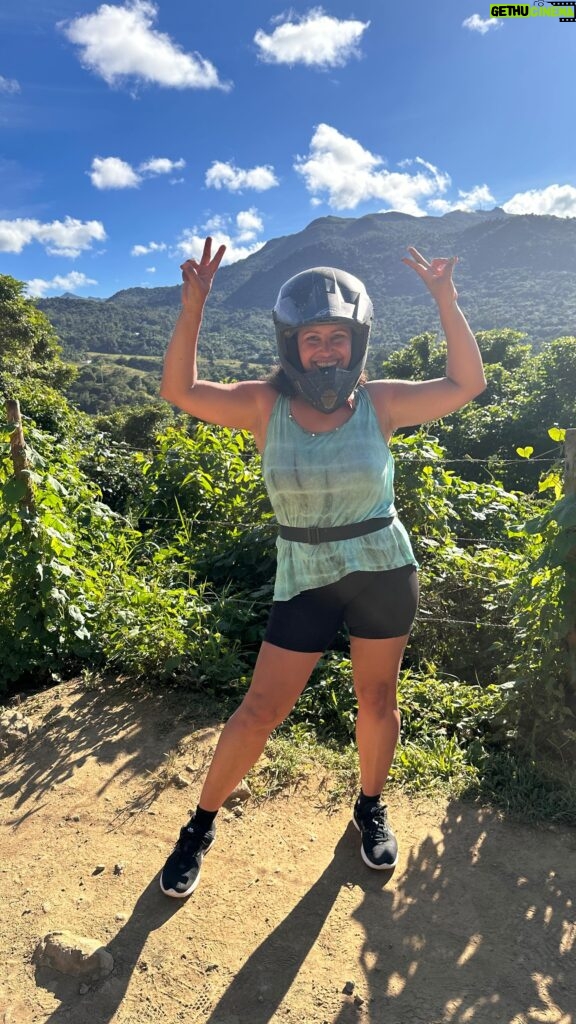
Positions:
(323, 295)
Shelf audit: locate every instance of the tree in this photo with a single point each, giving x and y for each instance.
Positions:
(28, 342)
(526, 394)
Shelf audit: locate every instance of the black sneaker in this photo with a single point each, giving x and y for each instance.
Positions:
(181, 872)
(379, 848)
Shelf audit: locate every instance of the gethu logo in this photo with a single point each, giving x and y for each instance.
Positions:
(553, 9)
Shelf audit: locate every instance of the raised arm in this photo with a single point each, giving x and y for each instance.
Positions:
(408, 403)
(229, 405)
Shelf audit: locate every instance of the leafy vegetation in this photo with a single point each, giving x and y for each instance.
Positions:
(149, 552)
(526, 393)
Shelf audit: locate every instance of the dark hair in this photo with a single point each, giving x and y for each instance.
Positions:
(280, 381)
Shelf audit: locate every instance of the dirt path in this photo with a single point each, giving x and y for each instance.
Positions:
(477, 926)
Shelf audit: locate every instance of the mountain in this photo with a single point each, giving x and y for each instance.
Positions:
(514, 271)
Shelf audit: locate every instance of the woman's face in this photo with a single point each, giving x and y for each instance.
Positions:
(322, 345)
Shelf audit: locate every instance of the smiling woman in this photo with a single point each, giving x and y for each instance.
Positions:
(322, 319)
(323, 345)
(344, 559)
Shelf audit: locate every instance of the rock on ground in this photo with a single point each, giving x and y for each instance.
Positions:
(74, 955)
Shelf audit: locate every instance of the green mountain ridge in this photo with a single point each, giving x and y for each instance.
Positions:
(513, 270)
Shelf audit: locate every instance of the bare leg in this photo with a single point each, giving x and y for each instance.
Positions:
(376, 666)
(278, 680)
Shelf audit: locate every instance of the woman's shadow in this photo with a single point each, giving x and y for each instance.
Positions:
(269, 971)
(151, 912)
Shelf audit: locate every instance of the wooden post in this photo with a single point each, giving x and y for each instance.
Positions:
(19, 457)
(570, 491)
(570, 461)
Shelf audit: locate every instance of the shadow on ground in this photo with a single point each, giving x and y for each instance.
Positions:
(478, 928)
(126, 729)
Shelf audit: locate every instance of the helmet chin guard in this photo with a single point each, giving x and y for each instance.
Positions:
(325, 389)
(323, 295)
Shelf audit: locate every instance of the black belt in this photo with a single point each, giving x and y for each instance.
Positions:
(320, 534)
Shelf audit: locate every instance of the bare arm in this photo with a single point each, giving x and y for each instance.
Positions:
(229, 405)
(407, 403)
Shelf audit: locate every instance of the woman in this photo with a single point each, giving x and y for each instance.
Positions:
(343, 557)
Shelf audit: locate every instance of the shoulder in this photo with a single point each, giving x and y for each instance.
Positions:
(381, 394)
(258, 392)
(265, 397)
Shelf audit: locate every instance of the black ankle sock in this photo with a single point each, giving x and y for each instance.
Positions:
(204, 818)
(365, 801)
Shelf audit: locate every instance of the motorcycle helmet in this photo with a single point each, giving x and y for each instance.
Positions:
(322, 295)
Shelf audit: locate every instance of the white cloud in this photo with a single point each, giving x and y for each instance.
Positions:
(9, 85)
(60, 238)
(144, 250)
(223, 175)
(478, 24)
(224, 231)
(340, 168)
(161, 165)
(555, 200)
(150, 270)
(120, 42)
(477, 198)
(315, 39)
(112, 172)
(219, 222)
(191, 244)
(37, 287)
(248, 224)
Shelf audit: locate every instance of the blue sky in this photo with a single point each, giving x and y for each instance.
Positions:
(130, 130)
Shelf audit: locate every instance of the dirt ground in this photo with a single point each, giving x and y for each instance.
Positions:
(476, 926)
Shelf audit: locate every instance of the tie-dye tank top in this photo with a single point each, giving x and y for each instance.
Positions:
(345, 475)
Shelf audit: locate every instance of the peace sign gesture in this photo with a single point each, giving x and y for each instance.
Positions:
(437, 275)
(198, 275)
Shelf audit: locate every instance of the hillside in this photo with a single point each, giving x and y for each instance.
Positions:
(514, 271)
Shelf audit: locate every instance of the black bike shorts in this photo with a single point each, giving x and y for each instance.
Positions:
(373, 605)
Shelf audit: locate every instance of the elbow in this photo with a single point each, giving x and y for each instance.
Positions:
(169, 394)
(476, 390)
(476, 386)
(470, 389)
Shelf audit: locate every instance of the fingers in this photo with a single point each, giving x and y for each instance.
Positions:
(218, 257)
(206, 260)
(207, 255)
(417, 257)
(207, 251)
(437, 266)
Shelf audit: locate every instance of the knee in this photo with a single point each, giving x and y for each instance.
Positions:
(377, 701)
(257, 714)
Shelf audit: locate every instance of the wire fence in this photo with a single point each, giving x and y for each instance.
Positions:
(550, 457)
(493, 461)
(272, 526)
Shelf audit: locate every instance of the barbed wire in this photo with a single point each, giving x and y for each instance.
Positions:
(465, 622)
(273, 525)
(493, 460)
(422, 616)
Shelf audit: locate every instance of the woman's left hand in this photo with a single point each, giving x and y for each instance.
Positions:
(437, 275)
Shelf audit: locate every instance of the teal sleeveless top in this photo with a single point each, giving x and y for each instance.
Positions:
(342, 476)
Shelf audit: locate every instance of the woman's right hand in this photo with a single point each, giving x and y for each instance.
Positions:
(198, 275)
